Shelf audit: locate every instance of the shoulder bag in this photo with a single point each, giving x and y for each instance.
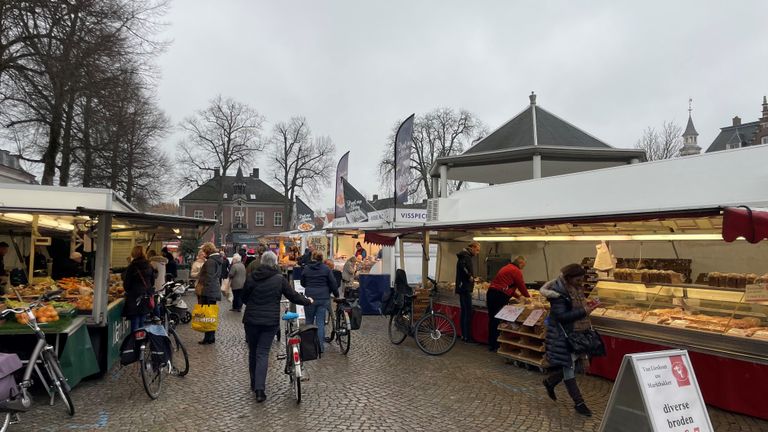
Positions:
(586, 342)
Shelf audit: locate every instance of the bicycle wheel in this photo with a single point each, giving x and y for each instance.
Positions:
(59, 380)
(397, 328)
(343, 336)
(330, 328)
(151, 376)
(435, 334)
(6, 422)
(179, 356)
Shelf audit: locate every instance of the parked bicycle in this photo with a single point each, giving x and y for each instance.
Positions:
(44, 354)
(169, 319)
(293, 367)
(434, 332)
(338, 326)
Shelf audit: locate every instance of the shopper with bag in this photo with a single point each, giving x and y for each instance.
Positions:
(208, 290)
(568, 319)
(137, 283)
(262, 293)
(236, 282)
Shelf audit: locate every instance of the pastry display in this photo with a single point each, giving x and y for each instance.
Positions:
(648, 276)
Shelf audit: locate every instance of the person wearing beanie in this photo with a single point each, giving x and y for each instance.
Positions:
(569, 312)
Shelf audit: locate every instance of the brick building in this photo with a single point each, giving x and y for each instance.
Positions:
(251, 209)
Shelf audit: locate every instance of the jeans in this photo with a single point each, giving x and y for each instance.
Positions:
(137, 322)
(237, 300)
(259, 339)
(316, 315)
(495, 300)
(465, 300)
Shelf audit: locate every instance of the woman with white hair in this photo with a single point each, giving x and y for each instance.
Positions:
(262, 293)
(236, 282)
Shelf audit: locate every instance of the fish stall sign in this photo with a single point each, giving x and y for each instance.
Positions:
(656, 391)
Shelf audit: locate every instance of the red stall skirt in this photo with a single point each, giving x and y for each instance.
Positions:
(479, 320)
(733, 385)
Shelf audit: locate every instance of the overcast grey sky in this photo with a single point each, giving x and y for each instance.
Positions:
(353, 68)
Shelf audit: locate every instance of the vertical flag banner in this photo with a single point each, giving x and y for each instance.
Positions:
(403, 147)
(356, 206)
(342, 170)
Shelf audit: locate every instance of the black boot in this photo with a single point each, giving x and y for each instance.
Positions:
(575, 393)
(260, 396)
(551, 381)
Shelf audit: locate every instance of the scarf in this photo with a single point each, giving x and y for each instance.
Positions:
(578, 300)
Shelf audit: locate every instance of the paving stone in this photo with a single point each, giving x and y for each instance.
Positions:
(377, 387)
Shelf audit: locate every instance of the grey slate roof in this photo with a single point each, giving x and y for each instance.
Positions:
(743, 134)
(552, 131)
(689, 129)
(209, 191)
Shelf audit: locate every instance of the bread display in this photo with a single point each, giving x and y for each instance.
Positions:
(648, 276)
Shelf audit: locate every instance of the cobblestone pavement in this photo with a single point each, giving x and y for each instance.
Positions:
(377, 387)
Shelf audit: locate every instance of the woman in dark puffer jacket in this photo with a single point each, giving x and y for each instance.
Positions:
(569, 312)
(261, 295)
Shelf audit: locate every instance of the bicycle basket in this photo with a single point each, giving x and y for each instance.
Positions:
(9, 363)
(128, 352)
(160, 344)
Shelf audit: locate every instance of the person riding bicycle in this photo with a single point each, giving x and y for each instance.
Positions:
(261, 295)
(319, 283)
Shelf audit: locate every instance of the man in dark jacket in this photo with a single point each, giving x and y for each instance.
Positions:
(306, 259)
(261, 295)
(567, 307)
(319, 283)
(170, 266)
(465, 284)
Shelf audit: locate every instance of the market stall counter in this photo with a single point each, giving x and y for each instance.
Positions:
(68, 336)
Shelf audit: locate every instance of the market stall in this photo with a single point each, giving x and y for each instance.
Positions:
(76, 240)
(676, 282)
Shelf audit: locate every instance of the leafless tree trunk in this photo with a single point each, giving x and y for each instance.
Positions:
(662, 144)
(224, 135)
(301, 162)
(441, 132)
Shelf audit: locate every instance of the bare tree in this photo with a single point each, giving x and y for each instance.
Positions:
(661, 144)
(301, 162)
(226, 134)
(440, 132)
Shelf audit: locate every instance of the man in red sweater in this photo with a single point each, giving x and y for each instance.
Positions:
(508, 282)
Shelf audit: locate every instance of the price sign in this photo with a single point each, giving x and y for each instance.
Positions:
(656, 391)
(533, 318)
(756, 293)
(509, 313)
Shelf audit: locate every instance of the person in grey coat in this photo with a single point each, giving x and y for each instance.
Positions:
(237, 275)
(209, 284)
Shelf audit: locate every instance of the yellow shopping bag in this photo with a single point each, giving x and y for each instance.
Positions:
(205, 318)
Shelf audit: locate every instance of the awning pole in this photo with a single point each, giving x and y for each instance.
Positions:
(425, 261)
(101, 270)
(402, 254)
(32, 241)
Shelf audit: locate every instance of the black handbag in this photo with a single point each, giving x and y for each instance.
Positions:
(586, 342)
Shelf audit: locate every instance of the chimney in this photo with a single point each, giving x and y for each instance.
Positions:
(737, 121)
(375, 197)
(532, 97)
(216, 172)
(255, 173)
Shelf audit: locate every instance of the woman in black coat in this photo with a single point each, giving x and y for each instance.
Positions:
(569, 312)
(261, 295)
(138, 281)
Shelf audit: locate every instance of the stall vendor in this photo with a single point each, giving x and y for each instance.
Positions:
(508, 283)
(3, 251)
(360, 252)
(73, 267)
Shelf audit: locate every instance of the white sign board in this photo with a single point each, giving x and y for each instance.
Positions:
(533, 318)
(509, 313)
(656, 391)
(299, 308)
(756, 293)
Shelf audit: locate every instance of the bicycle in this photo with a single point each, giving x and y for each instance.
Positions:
(434, 332)
(45, 354)
(338, 326)
(293, 367)
(179, 355)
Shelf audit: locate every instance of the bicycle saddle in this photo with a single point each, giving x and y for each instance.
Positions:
(290, 316)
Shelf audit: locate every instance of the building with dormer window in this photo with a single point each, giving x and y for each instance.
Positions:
(252, 208)
(740, 134)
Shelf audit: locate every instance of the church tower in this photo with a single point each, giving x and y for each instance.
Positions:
(690, 136)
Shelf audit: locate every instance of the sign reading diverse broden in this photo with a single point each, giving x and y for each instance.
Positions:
(656, 391)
